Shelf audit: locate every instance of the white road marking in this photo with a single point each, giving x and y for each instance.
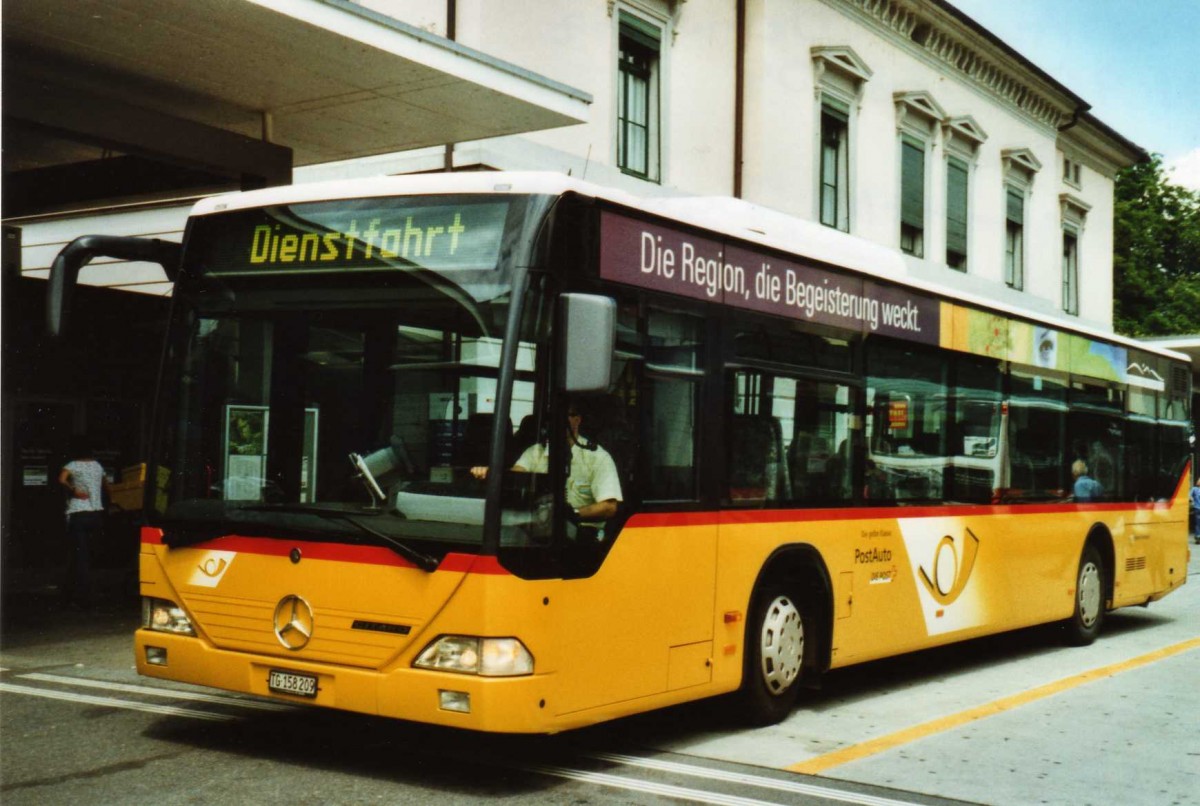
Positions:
(109, 702)
(127, 688)
(795, 787)
(649, 787)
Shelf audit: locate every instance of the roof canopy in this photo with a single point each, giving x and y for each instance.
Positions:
(144, 97)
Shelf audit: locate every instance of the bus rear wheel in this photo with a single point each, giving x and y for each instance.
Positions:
(1084, 624)
(775, 652)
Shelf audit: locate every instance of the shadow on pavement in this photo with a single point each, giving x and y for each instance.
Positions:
(33, 609)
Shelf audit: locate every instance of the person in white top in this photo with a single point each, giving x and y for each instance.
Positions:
(593, 486)
(84, 479)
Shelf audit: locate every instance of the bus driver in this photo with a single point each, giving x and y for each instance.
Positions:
(593, 487)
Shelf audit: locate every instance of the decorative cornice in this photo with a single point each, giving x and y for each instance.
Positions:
(942, 39)
(1094, 145)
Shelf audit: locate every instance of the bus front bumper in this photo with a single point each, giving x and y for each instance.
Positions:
(500, 705)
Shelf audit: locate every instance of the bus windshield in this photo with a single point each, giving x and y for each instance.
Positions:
(344, 405)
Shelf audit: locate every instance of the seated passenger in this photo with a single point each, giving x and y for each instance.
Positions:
(1086, 487)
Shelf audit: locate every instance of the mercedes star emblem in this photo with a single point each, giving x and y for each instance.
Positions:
(293, 622)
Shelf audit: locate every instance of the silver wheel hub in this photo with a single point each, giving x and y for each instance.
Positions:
(781, 645)
(1089, 594)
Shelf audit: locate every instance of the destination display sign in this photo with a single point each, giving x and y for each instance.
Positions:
(353, 235)
(665, 259)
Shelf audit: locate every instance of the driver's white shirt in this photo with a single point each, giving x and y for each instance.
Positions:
(593, 474)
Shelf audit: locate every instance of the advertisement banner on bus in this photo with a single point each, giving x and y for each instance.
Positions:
(664, 259)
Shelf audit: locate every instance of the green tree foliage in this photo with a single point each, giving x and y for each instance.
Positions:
(1156, 254)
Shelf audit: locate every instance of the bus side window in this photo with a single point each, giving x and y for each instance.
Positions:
(608, 424)
(670, 395)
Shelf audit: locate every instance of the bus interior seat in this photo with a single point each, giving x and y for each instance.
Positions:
(837, 473)
(525, 437)
(758, 468)
(808, 459)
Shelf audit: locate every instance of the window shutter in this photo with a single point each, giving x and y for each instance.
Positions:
(1016, 206)
(1179, 382)
(956, 206)
(912, 185)
(640, 32)
(835, 108)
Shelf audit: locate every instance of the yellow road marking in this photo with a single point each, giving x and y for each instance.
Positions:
(878, 745)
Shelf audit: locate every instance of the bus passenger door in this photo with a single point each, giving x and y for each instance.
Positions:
(642, 625)
(643, 622)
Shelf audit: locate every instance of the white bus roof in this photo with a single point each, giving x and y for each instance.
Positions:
(728, 216)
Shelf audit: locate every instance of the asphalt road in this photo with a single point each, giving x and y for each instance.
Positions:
(1012, 719)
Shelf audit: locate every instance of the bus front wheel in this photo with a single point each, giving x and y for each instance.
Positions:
(775, 647)
(1084, 624)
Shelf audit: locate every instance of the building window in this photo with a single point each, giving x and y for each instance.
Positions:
(1070, 271)
(962, 137)
(917, 118)
(1020, 167)
(1071, 172)
(957, 209)
(1074, 217)
(912, 197)
(1014, 238)
(839, 76)
(835, 165)
(637, 98)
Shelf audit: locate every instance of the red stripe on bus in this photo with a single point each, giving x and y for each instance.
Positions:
(473, 564)
(752, 516)
(340, 552)
(479, 564)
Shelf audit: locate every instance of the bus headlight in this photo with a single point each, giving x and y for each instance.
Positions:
(469, 654)
(164, 616)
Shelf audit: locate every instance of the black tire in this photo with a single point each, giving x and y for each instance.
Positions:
(775, 653)
(1091, 586)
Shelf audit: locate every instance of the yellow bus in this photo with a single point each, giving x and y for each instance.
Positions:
(515, 453)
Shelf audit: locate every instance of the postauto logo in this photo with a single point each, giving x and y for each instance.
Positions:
(942, 553)
(950, 570)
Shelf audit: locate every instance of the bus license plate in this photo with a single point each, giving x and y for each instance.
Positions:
(301, 685)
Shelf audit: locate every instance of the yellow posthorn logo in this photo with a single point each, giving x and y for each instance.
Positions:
(210, 568)
(950, 572)
(213, 566)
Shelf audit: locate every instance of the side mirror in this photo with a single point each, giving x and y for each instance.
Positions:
(588, 326)
(64, 272)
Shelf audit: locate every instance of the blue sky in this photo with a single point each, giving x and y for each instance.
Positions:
(1137, 62)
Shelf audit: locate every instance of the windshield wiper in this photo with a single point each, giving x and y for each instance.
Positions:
(420, 559)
